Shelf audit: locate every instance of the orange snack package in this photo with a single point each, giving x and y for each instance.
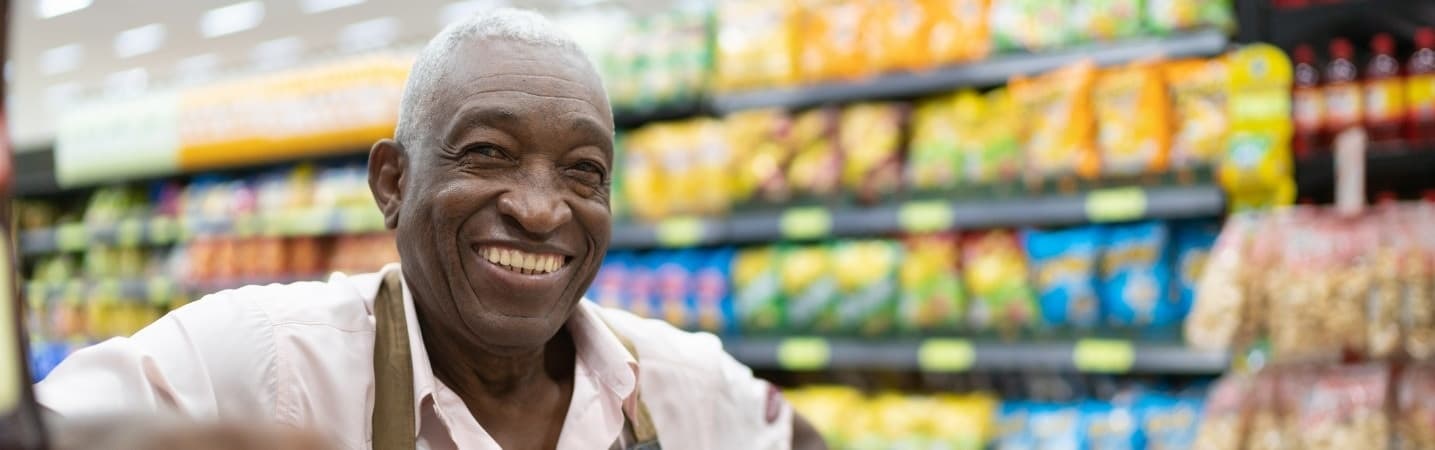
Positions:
(1059, 132)
(832, 39)
(958, 30)
(1133, 119)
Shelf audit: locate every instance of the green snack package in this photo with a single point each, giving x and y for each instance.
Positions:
(756, 295)
(994, 269)
(1105, 20)
(1165, 16)
(994, 154)
(867, 285)
(934, 162)
(1031, 25)
(809, 288)
(932, 298)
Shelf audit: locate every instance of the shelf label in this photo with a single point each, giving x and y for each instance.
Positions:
(360, 220)
(246, 224)
(946, 355)
(163, 230)
(1116, 204)
(72, 236)
(129, 232)
(926, 216)
(803, 353)
(1104, 355)
(806, 223)
(680, 232)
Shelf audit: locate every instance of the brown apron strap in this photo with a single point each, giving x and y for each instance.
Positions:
(393, 420)
(638, 430)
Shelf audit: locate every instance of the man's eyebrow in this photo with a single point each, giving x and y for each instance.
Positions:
(469, 118)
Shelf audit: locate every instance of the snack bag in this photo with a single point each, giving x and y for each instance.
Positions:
(1165, 16)
(809, 286)
(758, 45)
(962, 422)
(1385, 263)
(871, 138)
(1013, 431)
(1132, 119)
(1344, 408)
(833, 39)
(1302, 291)
(760, 154)
(934, 162)
(828, 408)
(711, 168)
(867, 285)
(1169, 423)
(757, 297)
(1109, 426)
(1356, 309)
(994, 269)
(816, 167)
(1222, 425)
(1134, 276)
(995, 153)
(1056, 426)
(1198, 98)
(902, 26)
(1059, 128)
(1029, 24)
(1415, 408)
(607, 287)
(1063, 265)
(1274, 400)
(711, 298)
(932, 298)
(1192, 243)
(1105, 20)
(672, 279)
(641, 288)
(1419, 296)
(645, 181)
(957, 31)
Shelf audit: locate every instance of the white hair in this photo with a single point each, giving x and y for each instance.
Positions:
(508, 24)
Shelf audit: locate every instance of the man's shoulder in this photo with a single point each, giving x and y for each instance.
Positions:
(338, 302)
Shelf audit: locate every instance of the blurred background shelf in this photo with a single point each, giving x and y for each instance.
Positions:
(954, 354)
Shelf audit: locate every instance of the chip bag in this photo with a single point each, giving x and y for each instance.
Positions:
(756, 45)
(1344, 408)
(1110, 426)
(1105, 20)
(958, 30)
(1198, 98)
(1132, 119)
(1063, 265)
(809, 286)
(1169, 423)
(1192, 242)
(1169, 15)
(1415, 408)
(1059, 128)
(871, 138)
(757, 294)
(932, 297)
(996, 153)
(760, 154)
(1223, 424)
(833, 39)
(1134, 277)
(994, 270)
(901, 26)
(934, 162)
(867, 285)
(1029, 24)
(816, 167)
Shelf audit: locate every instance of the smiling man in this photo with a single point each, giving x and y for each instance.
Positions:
(497, 183)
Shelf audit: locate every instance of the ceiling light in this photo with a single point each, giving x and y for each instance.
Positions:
(126, 83)
(318, 6)
(277, 53)
(51, 8)
(61, 59)
(231, 19)
(196, 69)
(369, 34)
(139, 40)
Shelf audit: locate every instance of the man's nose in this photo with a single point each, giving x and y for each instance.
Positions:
(537, 210)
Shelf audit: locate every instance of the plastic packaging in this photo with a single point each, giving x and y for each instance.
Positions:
(1060, 128)
(1134, 276)
(932, 295)
(871, 136)
(809, 286)
(1344, 105)
(867, 285)
(996, 155)
(757, 294)
(1133, 119)
(994, 271)
(1064, 275)
(1420, 88)
(1199, 118)
(1029, 24)
(756, 45)
(1384, 92)
(1307, 103)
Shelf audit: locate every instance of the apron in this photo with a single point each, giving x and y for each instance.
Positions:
(393, 420)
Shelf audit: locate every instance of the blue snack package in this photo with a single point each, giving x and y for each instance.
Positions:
(1135, 275)
(1055, 426)
(711, 299)
(1110, 426)
(672, 272)
(1169, 423)
(1191, 242)
(608, 288)
(1012, 427)
(1063, 267)
(640, 289)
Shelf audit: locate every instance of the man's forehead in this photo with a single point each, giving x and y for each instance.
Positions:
(497, 64)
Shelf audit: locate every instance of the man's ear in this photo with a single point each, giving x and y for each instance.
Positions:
(387, 163)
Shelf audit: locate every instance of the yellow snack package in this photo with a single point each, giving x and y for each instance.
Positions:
(760, 154)
(1256, 168)
(903, 27)
(1059, 127)
(1133, 119)
(994, 154)
(934, 162)
(711, 165)
(833, 43)
(870, 136)
(828, 408)
(643, 186)
(816, 165)
(756, 44)
(1198, 100)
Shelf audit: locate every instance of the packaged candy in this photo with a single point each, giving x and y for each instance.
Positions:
(1105, 20)
(1133, 119)
(1419, 297)
(1169, 15)
(994, 269)
(1198, 98)
(958, 30)
(1192, 243)
(867, 285)
(1029, 24)
(1110, 426)
(1063, 265)
(1222, 425)
(1415, 408)
(932, 297)
(816, 167)
(758, 140)
(756, 45)
(1344, 409)
(1134, 276)
(871, 137)
(1169, 423)
(757, 297)
(833, 39)
(809, 287)
(711, 297)
(934, 162)
(1059, 130)
(995, 155)
(1275, 399)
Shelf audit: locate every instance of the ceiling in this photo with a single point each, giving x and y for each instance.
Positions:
(45, 83)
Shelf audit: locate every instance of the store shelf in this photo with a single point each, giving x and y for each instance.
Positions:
(992, 71)
(157, 290)
(166, 230)
(1094, 355)
(1406, 171)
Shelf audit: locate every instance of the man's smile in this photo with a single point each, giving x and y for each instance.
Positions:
(522, 262)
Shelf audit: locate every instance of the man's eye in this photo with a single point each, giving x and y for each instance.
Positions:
(488, 151)
(588, 172)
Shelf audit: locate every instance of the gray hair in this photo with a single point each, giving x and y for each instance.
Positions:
(509, 24)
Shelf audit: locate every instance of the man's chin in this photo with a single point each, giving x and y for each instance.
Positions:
(516, 333)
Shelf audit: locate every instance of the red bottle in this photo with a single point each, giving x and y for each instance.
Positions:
(1307, 104)
(1384, 92)
(1420, 88)
(1343, 106)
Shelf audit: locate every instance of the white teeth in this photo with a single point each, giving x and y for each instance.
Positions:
(491, 254)
(550, 263)
(528, 263)
(524, 263)
(503, 257)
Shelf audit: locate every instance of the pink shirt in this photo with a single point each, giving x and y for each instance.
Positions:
(302, 354)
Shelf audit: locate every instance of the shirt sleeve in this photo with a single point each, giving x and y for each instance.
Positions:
(212, 359)
(758, 407)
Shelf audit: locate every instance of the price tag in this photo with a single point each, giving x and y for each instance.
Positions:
(680, 232)
(803, 353)
(1104, 355)
(308, 222)
(163, 230)
(806, 223)
(246, 225)
(1116, 205)
(946, 355)
(926, 216)
(71, 237)
(129, 232)
(159, 290)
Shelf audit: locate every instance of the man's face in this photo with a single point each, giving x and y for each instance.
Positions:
(505, 215)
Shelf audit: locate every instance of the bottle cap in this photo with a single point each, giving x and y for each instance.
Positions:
(1382, 43)
(1340, 48)
(1303, 54)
